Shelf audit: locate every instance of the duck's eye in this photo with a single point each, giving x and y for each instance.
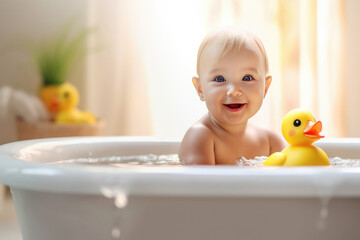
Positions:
(297, 123)
(219, 79)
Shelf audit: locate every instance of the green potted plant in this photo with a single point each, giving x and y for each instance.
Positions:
(55, 59)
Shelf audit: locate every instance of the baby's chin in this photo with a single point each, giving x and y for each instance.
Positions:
(225, 121)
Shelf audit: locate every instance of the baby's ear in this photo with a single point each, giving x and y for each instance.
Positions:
(197, 85)
(268, 81)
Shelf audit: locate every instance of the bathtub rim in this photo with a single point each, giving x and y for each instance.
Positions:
(226, 181)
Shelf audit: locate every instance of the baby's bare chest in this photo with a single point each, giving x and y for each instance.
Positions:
(228, 150)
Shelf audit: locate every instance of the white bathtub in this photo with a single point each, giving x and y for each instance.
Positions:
(55, 202)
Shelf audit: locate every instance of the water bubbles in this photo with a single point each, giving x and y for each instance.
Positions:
(334, 162)
(340, 162)
(107, 192)
(119, 195)
(256, 162)
(324, 212)
(115, 233)
(121, 200)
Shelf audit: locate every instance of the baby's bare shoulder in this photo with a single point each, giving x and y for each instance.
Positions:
(275, 141)
(198, 135)
(197, 146)
(202, 129)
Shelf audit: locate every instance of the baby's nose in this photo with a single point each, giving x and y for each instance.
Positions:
(234, 92)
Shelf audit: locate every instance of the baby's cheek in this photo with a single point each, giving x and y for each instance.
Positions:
(291, 132)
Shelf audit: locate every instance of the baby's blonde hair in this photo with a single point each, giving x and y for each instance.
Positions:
(227, 40)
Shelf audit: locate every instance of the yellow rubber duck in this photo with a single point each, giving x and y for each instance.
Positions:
(68, 97)
(300, 130)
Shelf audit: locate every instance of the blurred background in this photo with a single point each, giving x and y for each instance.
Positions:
(136, 75)
(139, 56)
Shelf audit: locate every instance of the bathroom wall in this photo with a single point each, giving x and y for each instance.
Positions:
(25, 23)
(352, 96)
(22, 25)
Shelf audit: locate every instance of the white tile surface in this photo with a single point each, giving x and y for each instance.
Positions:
(9, 228)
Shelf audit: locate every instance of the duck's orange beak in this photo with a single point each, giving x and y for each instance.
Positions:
(54, 105)
(312, 130)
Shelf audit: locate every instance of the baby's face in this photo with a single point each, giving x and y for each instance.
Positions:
(235, 85)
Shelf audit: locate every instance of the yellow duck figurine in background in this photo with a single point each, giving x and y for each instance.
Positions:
(68, 98)
(300, 130)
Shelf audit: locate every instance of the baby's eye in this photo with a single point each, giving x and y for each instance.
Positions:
(247, 78)
(219, 79)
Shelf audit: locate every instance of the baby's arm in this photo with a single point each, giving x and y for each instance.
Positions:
(277, 144)
(197, 147)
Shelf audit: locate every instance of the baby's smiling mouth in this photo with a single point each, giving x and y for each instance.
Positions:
(234, 106)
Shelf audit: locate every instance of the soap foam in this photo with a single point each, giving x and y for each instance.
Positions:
(334, 162)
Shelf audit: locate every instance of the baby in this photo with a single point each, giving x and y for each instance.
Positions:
(233, 79)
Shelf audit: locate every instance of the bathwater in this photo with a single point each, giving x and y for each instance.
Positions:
(173, 160)
(123, 161)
